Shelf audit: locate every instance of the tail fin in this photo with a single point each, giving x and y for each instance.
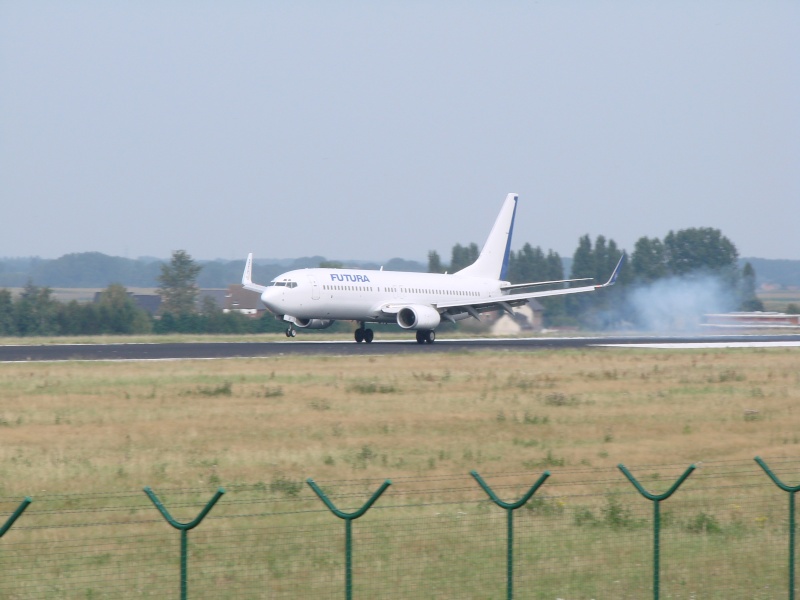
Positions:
(493, 259)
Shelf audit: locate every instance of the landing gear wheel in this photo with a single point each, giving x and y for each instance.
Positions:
(420, 339)
(368, 335)
(288, 332)
(429, 336)
(359, 335)
(293, 332)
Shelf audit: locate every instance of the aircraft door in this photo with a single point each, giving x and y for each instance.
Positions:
(314, 288)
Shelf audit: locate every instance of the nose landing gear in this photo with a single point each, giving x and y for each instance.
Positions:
(291, 332)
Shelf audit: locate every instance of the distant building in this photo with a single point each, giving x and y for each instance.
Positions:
(150, 303)
(147, 302)
(526, 318)
(247, 302)
(218, 296)
(751, 320)
(234, 299)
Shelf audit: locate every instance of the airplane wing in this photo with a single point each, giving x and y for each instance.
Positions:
(507, 301)
(247, 277)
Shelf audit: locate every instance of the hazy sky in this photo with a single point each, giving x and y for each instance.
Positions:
(378, 129)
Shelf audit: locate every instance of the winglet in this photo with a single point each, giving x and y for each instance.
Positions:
(247, 276)
(613, 279)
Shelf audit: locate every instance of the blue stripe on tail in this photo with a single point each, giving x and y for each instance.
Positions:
(506, 255)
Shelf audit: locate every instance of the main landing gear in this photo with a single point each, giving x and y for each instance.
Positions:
(426, 336)
(291, 332)
(364, 335)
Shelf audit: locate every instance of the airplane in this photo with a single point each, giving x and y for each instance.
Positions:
(315, 298)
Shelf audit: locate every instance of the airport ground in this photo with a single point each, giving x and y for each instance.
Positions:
(84, 437)
(105, 425)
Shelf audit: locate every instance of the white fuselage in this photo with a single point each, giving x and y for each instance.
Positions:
(358, 295)
(315, 298)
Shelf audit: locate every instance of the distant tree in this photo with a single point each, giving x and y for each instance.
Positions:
(749, 299)
(793, 309)
(600, 258)
(527, 265)
(178, 284)
(78, 318)
(596, 262)
(118, 313)
(36, 311)
(209, 307)
(215, 320)
(555, 266)
(7, 321)
(648, 261)
(583, 264)
(700, 249)
(435, 262)
(463, 256)
(331, 264)
(555, 308)
(400, 264)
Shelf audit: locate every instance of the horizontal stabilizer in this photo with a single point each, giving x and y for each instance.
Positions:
(517, 286)
(520, 298)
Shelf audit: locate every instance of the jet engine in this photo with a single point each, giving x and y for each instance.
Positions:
(313, 323)
(418, 317)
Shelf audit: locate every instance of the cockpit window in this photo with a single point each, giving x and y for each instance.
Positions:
(289, 284)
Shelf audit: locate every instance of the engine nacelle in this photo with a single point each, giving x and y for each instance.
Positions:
(418, 317)
(313, 323)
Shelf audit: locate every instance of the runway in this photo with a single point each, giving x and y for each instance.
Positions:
(297, 347)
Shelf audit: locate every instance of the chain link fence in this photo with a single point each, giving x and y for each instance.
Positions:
(586, 533)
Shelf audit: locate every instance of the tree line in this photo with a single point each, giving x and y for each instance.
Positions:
(692, 254)
(97, 270)
(689, 254)
(35, 312)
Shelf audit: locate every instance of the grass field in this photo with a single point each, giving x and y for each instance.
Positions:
(96, 425)
(86, 437)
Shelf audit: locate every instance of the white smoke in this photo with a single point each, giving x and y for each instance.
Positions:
(678, 304)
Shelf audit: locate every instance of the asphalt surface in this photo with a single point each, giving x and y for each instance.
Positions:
(199, 350)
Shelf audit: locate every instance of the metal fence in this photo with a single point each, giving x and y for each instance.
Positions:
(717, 529)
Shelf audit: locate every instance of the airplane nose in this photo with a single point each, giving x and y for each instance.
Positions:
(269, 297)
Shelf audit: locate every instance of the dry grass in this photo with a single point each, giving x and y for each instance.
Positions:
(261, 426)
(99, 426)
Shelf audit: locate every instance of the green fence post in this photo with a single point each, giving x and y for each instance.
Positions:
(183, 527)
(510, 507)
(348, 531)
(792, 491)
(10, 521)
(656, 499)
